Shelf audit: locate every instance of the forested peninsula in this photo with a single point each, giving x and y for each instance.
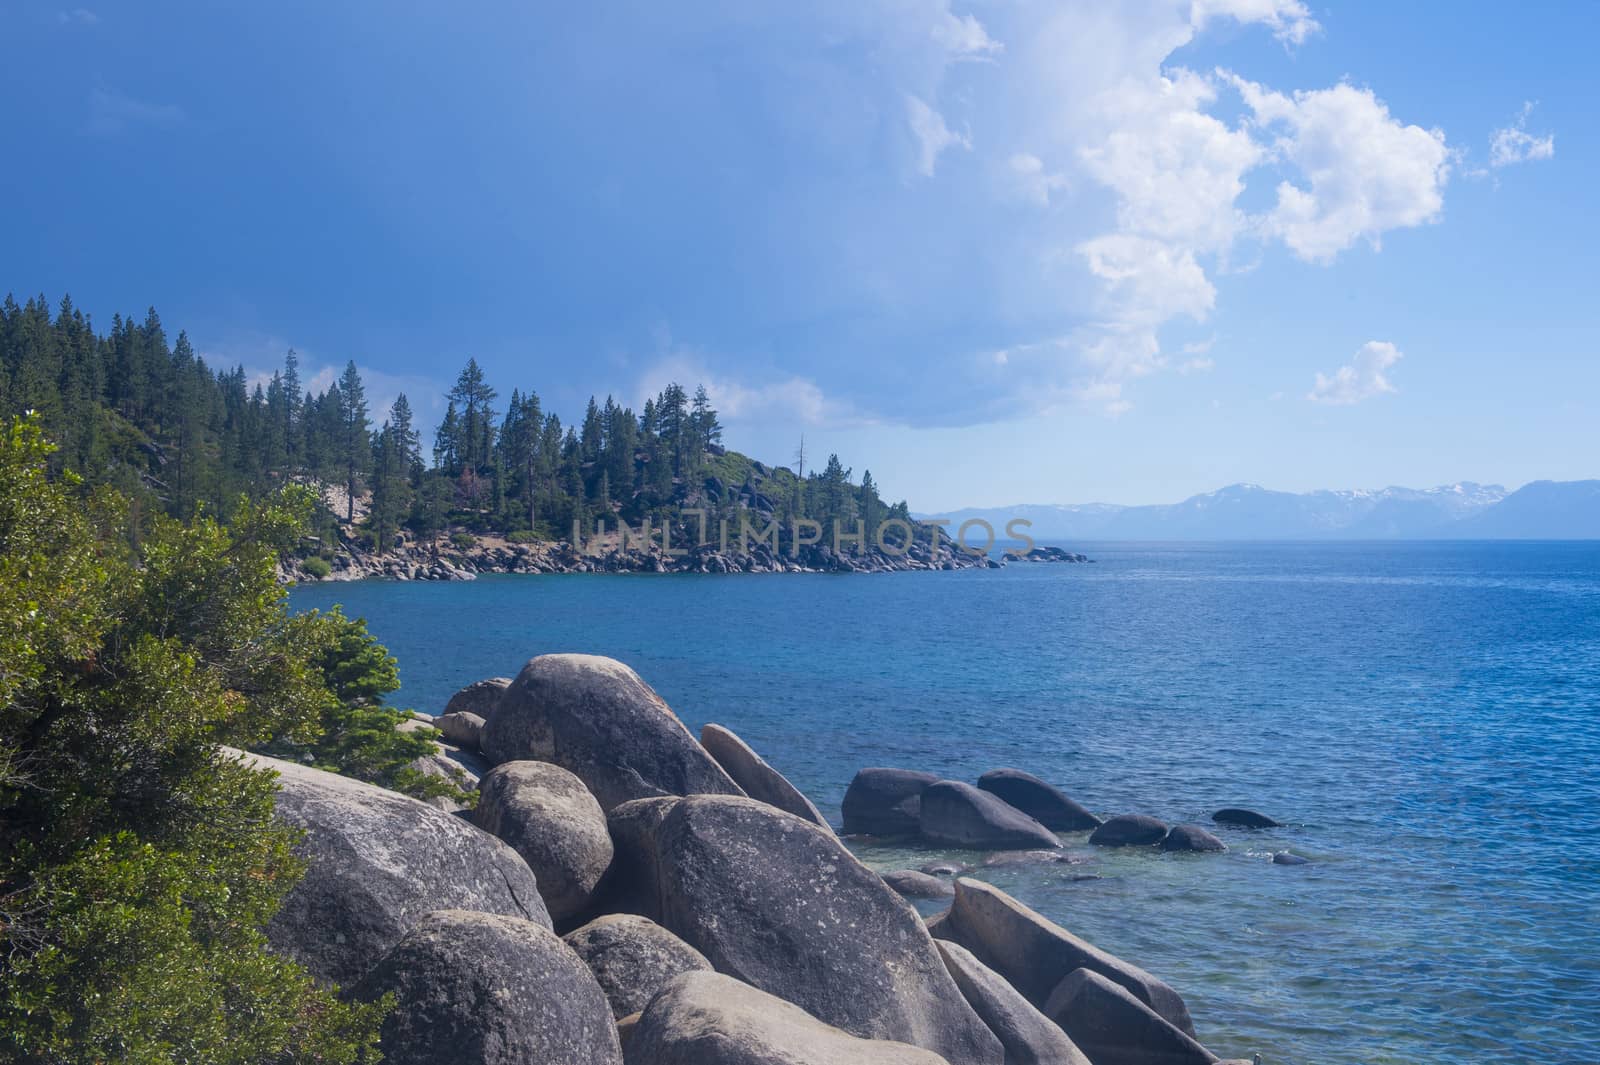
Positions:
(506, 486)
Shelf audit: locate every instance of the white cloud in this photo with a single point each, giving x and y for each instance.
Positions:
(1289, 20)
(1514, 144)
(1364, 172)
(1363, 378)
(933, 136)
(963, 36)
(1033, 179)
(78, 16)
(112, 113)
(1197, 364)
(790, 399)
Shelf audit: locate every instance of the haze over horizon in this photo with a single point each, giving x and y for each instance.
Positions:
(991, 251)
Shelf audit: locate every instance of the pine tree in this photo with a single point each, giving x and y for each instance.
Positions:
(354, 448)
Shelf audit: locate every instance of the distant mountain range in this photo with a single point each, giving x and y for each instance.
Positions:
(1542, 510)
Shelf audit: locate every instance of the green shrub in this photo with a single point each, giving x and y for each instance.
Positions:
(317, 567)
(523, 536)
(138, 866)
(462, 540)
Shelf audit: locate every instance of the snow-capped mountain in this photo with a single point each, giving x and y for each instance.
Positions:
(1541, 510)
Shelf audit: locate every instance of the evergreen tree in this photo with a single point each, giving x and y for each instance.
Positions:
(354, 447)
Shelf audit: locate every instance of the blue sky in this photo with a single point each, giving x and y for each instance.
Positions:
(995, 251)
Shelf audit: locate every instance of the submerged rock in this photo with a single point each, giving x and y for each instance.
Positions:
(1028, 1036)
(479, 989)
(945, 869)
(595, 718)
(1191, 838)
(782, 905)
(911, 884)
(376, 862)
(710, 1019)
(758, 779)
(1244, 818)
(1035, 954)
(550, 819)
(1040, 801)
(1114, 1027)
(1129, 830)
(1285, 858)
(885, 802)
(632, 958)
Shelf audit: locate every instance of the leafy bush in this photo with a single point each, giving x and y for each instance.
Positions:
(523, 536)
(138, 863)
(317, 567)
(463, 540)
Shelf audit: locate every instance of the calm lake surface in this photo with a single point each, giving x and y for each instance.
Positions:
(1426, 716)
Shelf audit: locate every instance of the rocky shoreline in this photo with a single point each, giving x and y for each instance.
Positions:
(413, 561)
(621, 893)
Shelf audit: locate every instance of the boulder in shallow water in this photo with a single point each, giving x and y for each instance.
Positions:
(1129, 830)
(1234, 815)
(945, 869)
(1045, 804)
(1035, 954)
(480, 697)
(462, 729)
(782, 905)
(1285, 858)
(632, 958)
(376, 862)
(912, 884)
(1113, 1027)
(758, 779)
(1191, 838)
(479, 989)
(711, 1019)
(595, 718)
(1058, 857)
(960, 815)
(885, 802)
(550, 819)
(1028, 1036)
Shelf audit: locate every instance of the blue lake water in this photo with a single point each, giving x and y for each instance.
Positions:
(1426, 716)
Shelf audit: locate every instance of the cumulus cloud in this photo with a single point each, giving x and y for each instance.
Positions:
(1364, 172)
(963, 36)
(933, 136)
(1514, 144)
(1035, 182)
(1362, 378)
(790, 399)
(1289, 20)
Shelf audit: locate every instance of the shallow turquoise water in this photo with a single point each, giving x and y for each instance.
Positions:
(1426, 715)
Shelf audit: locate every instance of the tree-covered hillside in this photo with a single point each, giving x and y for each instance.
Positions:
(143, 412)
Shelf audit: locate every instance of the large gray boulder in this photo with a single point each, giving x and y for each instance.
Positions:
(456, 766)
(1028, 1036)
(376, 862)
(885, 802)
(960, 815)
(1035, 954)
(461, 728)
(710, 1019)
(548, 816)
(632, 884)
(594, 717)
(632, 958)
(479, 989)
(1045, 804)
(781, 904)
(758, 779)
(1129, 830)
(480, 697)
(1114, 1028)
